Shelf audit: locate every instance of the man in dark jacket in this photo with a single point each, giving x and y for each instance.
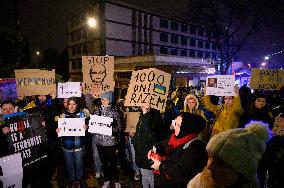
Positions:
(144, 140)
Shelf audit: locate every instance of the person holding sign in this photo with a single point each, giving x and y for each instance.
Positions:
(227, 114)
(106, 144)
(144, 139)
(73, 146)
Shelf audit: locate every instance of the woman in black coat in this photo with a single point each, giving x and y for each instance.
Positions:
(179, 158)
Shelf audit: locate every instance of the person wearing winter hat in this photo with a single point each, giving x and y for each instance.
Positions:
(180, 157)
(233, 158)
(258, 111)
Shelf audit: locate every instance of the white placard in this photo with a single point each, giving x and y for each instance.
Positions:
(68, 89)
(220, 85)
(71, 126)
(11, 171)
(100, 125)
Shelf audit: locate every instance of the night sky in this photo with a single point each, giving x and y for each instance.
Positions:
(43, 23)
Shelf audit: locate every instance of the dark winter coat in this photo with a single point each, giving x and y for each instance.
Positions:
(105, 140)
(273, 161)
(146, 137)
(182, 164)
(257, 115)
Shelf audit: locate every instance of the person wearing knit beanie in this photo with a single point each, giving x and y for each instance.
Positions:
(234, 156)
(107, 95)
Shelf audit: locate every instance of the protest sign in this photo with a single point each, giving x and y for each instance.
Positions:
(28, 137)
(8, 89)
(11, 171)
(98, 74)
(71, 126)
(100, 125)
(267, 79)
(132, 119)
(69, 89)
(35, 82)
(148, 86)
(220, 85)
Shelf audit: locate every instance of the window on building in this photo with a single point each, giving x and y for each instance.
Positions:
(163, 50)
(74, 66)
(192, 30)
(214, 46)
(199, 54)
(164, 23)
(183, 28)
(200, 32)
(183, 40)
(79, 64)
(79, 50)
(200, 44)
(208, 34)
(192, 53)
(174, 26)
(207, 55)
(215, 35)
(192, 42)
(73, 51)
(78, 34)
(72, 36)
(163, 37)
(183, 53)
(213, 56)
(72, 22)
(174, 39)
(174, 51)
(207, 45)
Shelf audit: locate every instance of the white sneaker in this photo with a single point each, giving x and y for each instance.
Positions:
(98, 175)
(117, 185)
(106, 184)
(136, 177)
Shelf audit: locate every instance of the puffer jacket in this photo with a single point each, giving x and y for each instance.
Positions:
(105, 140)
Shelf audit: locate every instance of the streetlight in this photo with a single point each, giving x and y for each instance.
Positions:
(263, 64)
(37, 53)
(92, 22)
(266, 57)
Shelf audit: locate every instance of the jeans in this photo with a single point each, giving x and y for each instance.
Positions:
(96, 157)
(131, 156)
(74, 164)
(147, 178)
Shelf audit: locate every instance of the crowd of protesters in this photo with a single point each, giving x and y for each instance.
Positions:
(212, 142)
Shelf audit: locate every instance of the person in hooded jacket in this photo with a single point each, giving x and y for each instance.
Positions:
(258, 111)
(180, 157)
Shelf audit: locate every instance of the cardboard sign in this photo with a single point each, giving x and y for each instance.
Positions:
(100, 125)
(267, 79)
(71, 126)
(220, 85)
(132, 119)
(98, 74)
(148, 86)
(8, 89)
(11, 171)
(279, 126)
(69, 89)
(35, 81)
(28, 137)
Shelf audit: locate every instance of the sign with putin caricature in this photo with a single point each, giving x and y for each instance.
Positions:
(148, 86)
(98, 74)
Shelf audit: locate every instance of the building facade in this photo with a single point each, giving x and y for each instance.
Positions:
(126, 31)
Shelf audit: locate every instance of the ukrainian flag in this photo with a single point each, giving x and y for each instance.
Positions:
(159, 89)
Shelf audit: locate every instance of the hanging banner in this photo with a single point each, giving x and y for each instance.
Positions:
(71, 126)
(148, 86)
(8, 89)
(266, 79)
(69, 89)
(220, 85)
(28, 137)
(11, 171)
(98, 74)
(35, 81)
(100, 125)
